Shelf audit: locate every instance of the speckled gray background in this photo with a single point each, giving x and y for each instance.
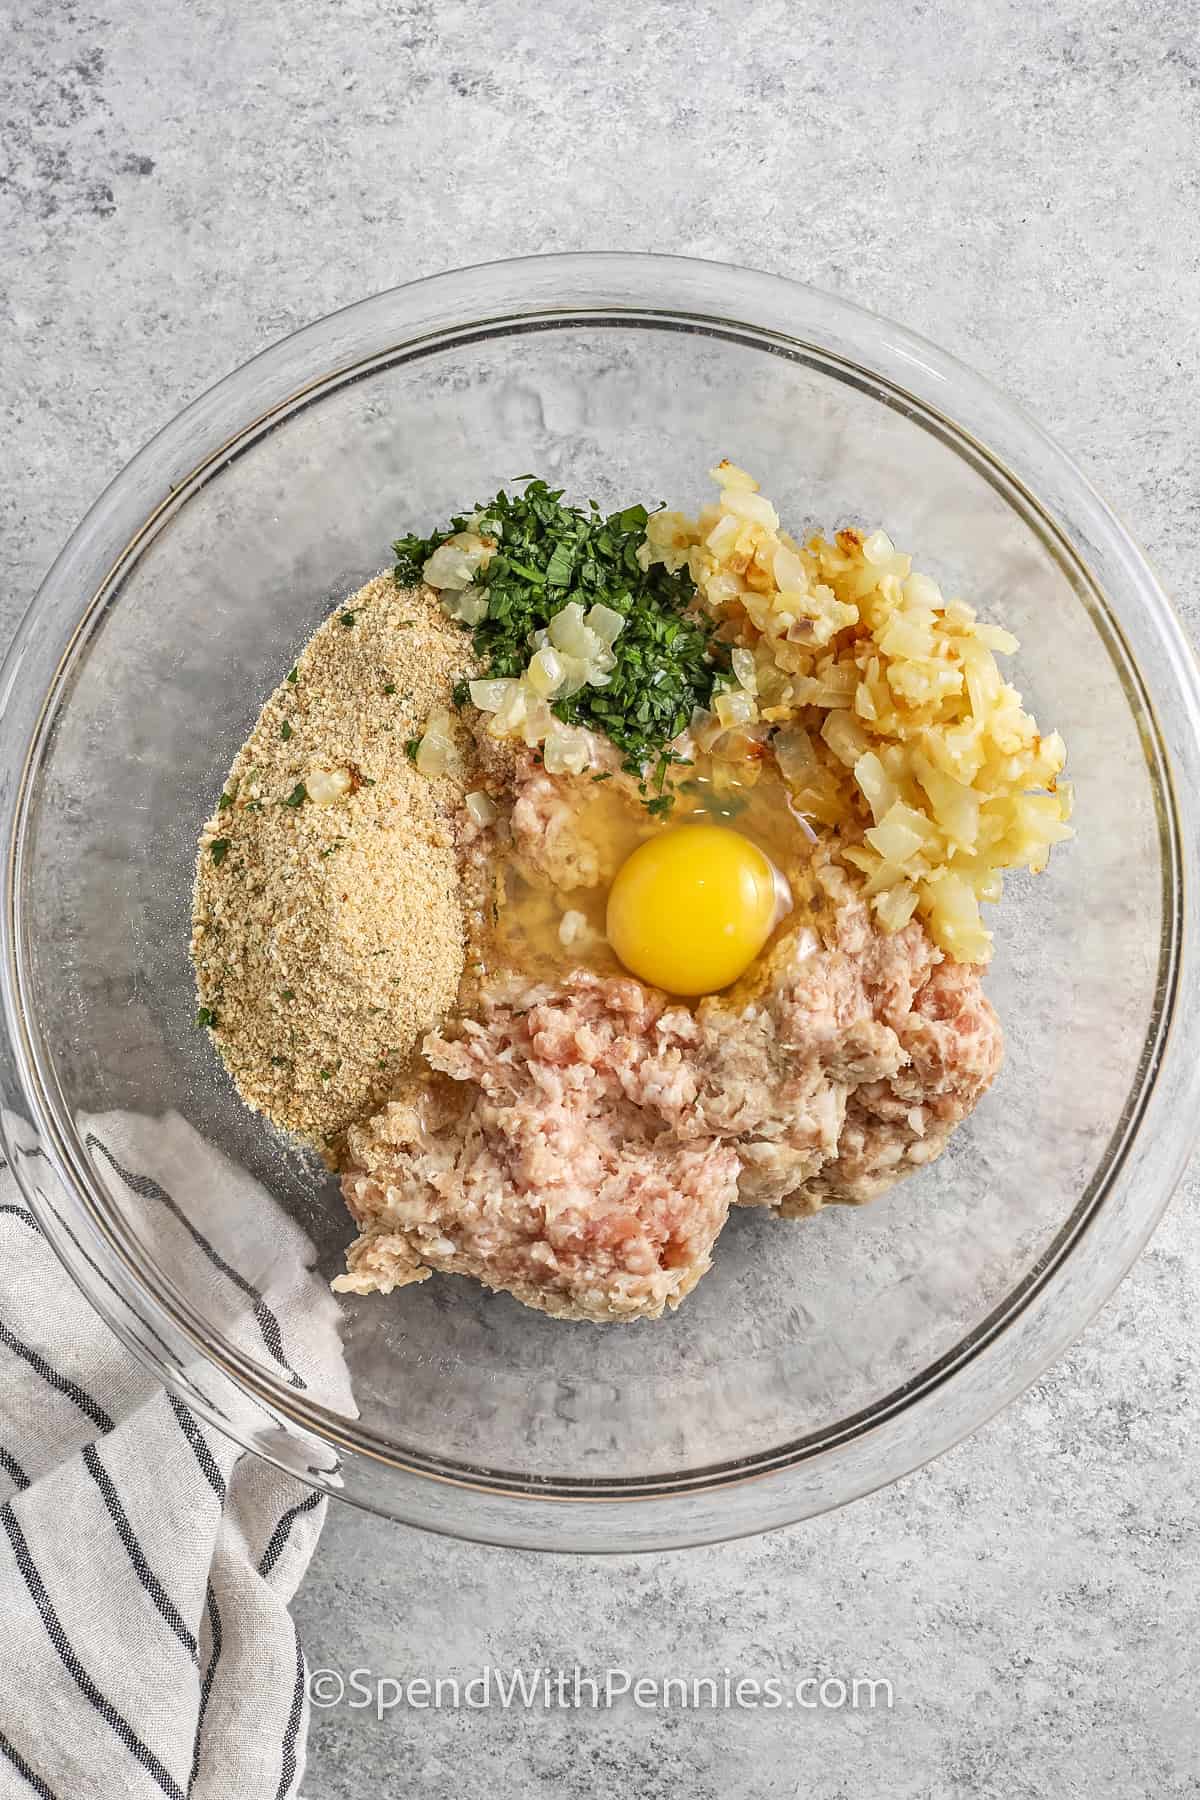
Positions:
(182, 184)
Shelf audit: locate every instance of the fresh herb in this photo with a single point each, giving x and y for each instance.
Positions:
(561, 566)
(411, 746)
(547, 554)
(297, 797)
(288, 994)
(347, 618)
(278, 1062)
(607, 776)
(660, 805)
(285, 730)
(220, 848)
(389, 688)
(325, 1074)
(330, 848)
(206, 1016)
(225, 802)
(293, 674)
(253, 806)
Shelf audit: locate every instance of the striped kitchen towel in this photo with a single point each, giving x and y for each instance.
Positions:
(146, 1563)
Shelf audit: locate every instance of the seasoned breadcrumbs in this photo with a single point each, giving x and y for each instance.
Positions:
(328, 916)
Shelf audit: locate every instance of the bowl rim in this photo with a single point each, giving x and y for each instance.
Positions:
(835, 331)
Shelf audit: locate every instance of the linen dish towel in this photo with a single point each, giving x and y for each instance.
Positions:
(146, 1561)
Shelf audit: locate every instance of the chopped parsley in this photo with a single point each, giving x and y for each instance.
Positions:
(288, 994)
(325, 1074)
(412, 745)
(297, 797)
(285, 730)
(668, 659)
(293, 674)
(220, 848)
(347, 618)
(389, 687)
(253, 806)
(607, 776)
(225, 802)
(206, 1016)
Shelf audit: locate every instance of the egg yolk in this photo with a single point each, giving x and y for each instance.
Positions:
(692, 908)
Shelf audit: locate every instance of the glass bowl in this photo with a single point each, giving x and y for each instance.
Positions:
(819, 1359)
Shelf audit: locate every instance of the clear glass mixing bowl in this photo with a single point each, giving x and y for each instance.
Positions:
(817, 1360)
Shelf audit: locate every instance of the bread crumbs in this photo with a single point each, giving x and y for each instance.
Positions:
(328, 919)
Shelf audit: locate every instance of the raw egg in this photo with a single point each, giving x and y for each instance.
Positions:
(691, 908)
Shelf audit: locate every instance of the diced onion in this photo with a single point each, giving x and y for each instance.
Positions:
(901, 834)
(606, 622)
(324, 786)
(481, 807)
(436, 753)
(728, 475)
(795, 755)
(536, 721)
(735, 708)
(453, 564)
(745, 670)
(490, 696)
(467, 605)
(845, 737)
(755, 508)
(877, 786)
(510, 714)
(568, 632)
(546, 672)
(896, 906)
(566, 751)
(576, 675)
(875, 692)
(432, 756)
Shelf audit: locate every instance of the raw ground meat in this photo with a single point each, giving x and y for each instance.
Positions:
(579, 1144)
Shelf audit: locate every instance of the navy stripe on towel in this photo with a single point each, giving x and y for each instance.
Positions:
(200, 1449)
(20, 1212)
(75, 1669)
(23, 1769)
(283, 1531)
(13, 1469)
(215, 1637)
(148, 1189)
(145, 1574)
(61, 1383)
(291, 1735)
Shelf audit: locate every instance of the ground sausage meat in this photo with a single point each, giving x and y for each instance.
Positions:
(530, 1157)
(579, 1144)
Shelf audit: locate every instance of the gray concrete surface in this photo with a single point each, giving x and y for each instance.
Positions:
(183, 184)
